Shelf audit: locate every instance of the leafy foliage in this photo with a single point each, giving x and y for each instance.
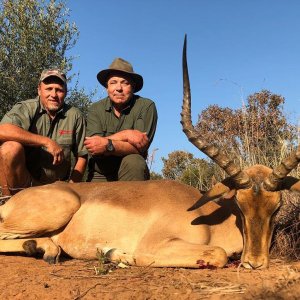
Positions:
(182, 166)
(34, 35)
(258, 133)
(79, 98)
(155, 176)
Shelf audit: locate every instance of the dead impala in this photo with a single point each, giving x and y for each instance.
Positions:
(158, 223)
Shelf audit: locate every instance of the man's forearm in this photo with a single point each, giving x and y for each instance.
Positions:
(136, 138)
(10, 132)
(122, 148)
(125, 142)
(120, 136)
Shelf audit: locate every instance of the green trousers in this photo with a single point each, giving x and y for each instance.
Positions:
(131, 167)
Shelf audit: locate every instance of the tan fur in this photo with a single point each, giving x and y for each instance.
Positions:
(258, 208)
(146, 222)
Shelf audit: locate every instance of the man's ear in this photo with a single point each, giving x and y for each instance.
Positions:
(39, 88)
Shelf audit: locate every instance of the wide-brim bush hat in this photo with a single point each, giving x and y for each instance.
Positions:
(121, 66)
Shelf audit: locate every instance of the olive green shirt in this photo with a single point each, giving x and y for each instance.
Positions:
(140, 114)
(68, 129)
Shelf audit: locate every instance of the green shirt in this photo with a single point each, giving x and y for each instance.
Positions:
(67, 129)
(140, 114)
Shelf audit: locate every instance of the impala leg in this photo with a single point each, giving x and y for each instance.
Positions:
(32, 247)
(174, 253)
(37, 211)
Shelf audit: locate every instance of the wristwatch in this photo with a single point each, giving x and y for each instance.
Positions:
(110, 146)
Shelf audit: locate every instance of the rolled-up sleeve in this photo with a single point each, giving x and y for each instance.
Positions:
(19, 115)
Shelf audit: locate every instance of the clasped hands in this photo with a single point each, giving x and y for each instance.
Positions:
(96, 145)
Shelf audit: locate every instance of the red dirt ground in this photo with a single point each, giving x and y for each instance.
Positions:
(30, 278)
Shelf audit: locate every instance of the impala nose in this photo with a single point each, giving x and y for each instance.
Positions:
(252, 265)
(255, 263)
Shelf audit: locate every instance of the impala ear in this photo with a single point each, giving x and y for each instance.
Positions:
(296, 187)
(223, 189)
(291, 183)
(230, 194)
(218, 190)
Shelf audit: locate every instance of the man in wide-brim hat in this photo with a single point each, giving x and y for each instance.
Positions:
(120, 127)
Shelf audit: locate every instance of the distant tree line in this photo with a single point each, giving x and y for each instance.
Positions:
(258, 133)
(35, 35)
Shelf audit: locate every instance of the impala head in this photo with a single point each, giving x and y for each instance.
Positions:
(257, 206)
(256, 190)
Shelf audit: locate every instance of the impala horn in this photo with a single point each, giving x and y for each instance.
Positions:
(274, 180)
(240, 178)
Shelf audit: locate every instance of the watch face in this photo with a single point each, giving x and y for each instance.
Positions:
(110, 147)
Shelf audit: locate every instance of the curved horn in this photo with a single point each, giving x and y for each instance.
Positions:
(273, 181)
(241, 179)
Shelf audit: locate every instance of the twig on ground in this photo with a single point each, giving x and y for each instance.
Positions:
(84, 293)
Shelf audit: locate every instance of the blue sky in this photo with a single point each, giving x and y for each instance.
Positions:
(235, 48)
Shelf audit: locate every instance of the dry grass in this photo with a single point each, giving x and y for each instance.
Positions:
(286, 239)
(286, 243)
(285, 287)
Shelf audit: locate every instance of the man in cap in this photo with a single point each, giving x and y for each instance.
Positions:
(120, 127)
(38, 135)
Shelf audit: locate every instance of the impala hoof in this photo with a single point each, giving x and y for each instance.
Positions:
(47, 248)
(31, 249)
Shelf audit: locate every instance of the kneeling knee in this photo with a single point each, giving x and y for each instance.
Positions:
(133, 167)
(11, 149)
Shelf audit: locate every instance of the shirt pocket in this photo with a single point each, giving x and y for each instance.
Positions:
(140, 125)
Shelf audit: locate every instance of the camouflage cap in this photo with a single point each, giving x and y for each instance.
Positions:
(54, 72)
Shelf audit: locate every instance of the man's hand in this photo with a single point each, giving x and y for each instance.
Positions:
(126, 142)
(96, 145)
(138, 139)
(56, 151)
